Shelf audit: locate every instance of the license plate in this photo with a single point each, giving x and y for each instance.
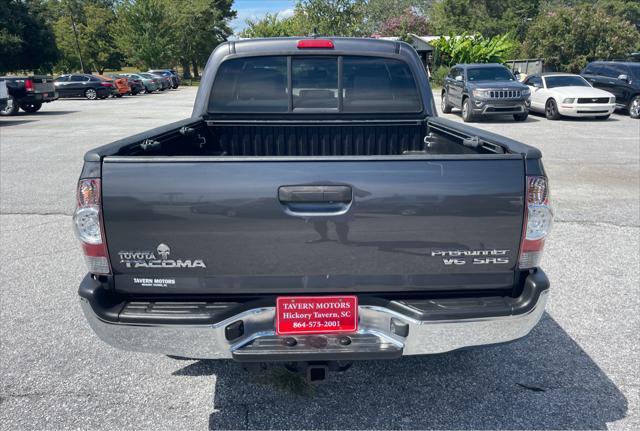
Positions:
(316, 314)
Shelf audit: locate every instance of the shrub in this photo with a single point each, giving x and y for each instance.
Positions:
(438, 76)
(474, 48)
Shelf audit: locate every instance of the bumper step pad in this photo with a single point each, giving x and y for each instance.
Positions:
(318, 347)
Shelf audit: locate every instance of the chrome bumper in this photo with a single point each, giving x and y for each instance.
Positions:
(375, 326)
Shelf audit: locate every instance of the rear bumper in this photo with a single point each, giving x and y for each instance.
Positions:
(38, 97)
(245, 332)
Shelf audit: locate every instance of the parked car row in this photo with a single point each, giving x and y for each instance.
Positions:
(30, 92)
(491, 89)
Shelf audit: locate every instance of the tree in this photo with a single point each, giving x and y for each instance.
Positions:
(85, 31)
(332, 17)
(628, 10)
(569, 37)
(26, 37)
(271, 25)
(145, 32)
(377, 12)
(200, 25)
(323, 17)
(401, 26)
(487, 17)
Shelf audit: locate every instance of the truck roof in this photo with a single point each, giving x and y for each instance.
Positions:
(290, 44)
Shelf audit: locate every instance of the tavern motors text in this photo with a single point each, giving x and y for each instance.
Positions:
(295, 311)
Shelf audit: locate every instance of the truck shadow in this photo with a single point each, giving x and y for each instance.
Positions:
(544, 381)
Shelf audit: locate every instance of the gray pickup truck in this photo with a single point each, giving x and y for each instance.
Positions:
(484, 89)
(313, 210)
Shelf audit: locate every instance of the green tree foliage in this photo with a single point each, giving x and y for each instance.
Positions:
(569, 37)
(198, 26)
(271, 25)
(94, 26)
(144, 32)
(465, 48)
(161, 33)
(26, 37)
(325, 17)
(628, 10)
(332, 17)
(487, 17)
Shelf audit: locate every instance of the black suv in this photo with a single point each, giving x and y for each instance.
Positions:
(619, 78)
(484, 89)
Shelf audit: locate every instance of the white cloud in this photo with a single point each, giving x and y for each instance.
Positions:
(287, 13)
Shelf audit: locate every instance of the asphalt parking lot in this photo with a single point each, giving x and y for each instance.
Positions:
(578, 369)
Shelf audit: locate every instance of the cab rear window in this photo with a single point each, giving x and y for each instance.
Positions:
(314, 84)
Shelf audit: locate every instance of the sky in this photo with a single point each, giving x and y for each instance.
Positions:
(255, 9)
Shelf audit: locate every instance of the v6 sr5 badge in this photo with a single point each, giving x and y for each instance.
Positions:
(161, 258)
(472, 257)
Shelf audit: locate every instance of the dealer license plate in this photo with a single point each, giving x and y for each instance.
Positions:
(316, 314)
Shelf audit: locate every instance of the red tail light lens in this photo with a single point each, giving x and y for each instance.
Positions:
(106, 84)
(28, 85)
(537, 222)
(315, 44)
(87, 222)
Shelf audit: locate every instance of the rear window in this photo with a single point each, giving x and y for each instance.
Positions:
(312, 83)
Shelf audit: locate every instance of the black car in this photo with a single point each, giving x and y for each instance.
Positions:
(484, 89)
(169, 73)
(83, 85)
(622, 79)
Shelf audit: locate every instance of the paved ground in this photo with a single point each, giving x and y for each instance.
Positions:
(578, 369)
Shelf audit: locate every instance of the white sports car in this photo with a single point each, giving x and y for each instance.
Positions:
(564, 94)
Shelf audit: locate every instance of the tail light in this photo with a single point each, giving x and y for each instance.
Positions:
(537, 222)
(28, 85)
(88, 225)
(106, 84)
(315, 44)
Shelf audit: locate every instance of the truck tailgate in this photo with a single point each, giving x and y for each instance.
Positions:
(295, 225)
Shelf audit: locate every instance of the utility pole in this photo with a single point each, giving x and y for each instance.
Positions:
(75, 34)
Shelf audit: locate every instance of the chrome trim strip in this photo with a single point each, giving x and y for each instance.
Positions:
(209, 342)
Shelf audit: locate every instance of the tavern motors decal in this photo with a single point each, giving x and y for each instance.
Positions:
(159, 259)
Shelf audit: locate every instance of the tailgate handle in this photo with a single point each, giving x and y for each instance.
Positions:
(315, 194)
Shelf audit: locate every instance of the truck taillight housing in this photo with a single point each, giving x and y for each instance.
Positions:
(538, 219)
(88, 225)
(28, 85)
